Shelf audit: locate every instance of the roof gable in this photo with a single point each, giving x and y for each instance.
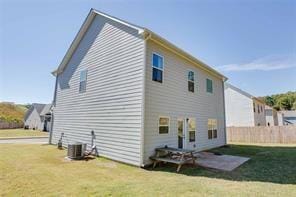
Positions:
(39, 107)
(87, 22)
(147, 34)
(28, 113)
(35, 106)
(46, 109)
(228, 85)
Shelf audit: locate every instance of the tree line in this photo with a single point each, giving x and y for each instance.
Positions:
(286, 101)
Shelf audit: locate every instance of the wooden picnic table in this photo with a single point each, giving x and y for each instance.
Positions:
(173, 155)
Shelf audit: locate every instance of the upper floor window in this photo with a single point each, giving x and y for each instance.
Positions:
(82, 81)
(261, 108)
(254, 107)
(191, 81)
(209, 86)
(212, 128)
(157, 68)
(163, 125)
(258, 109)
(191, 129)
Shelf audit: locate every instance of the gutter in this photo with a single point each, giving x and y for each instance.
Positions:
(224, 113)
(52, 111)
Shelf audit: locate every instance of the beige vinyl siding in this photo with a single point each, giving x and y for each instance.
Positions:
(259, 118)
(172, 99)
(113, 55)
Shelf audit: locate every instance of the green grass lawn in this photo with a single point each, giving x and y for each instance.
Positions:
(35, 170)
(20, 133)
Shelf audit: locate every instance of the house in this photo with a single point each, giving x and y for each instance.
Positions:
(38, 117)
(289, 117)
(243, 109)
(136, 91)
(271, 116)
(280, 116)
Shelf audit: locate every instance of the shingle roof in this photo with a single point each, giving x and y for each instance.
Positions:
(46, 109)
(39, 108)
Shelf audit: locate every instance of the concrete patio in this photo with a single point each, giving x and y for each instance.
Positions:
(219, 162)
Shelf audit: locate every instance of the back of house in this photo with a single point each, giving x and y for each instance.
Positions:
(135, 91)
(184, 101)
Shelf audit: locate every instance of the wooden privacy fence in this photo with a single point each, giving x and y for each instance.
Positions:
(262, 134)
(10, 125)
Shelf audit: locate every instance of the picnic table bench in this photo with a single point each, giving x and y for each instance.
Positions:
(173, 155)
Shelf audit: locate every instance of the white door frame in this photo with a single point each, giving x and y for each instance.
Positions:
(184, 131)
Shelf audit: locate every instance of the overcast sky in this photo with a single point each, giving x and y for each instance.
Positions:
(252, 42)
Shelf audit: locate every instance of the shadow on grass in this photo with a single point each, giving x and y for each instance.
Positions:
(266, 164)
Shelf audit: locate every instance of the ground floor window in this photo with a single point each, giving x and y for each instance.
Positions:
(191, 129)
(163, 125)
(212, 128)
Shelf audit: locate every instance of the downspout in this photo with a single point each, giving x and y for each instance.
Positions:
(52, 111)
(142, 145)
(224, 113)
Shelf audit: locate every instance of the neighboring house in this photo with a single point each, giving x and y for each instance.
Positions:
(242, 109)
(45, 116)
(38, 117)
(289, 117)
(271, 116)
(280, 116)
(136, 91)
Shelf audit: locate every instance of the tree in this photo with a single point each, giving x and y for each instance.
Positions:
(269, 101)
(285, 103)
(294, 105)
(281, 101)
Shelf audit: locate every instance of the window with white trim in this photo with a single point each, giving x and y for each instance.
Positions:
(212, 128)
(157, 67)
(191, 81)
(82, 81)
(191, 129)
(163, 125)
(209, 86)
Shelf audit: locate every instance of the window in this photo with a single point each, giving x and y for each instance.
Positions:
(191, 81)
(261, 108)
(157, 68)
(82, 83)
(209, 86)
(258, 109)
(212, 128)
(163, 125)
(191, 129)
(254, 107)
